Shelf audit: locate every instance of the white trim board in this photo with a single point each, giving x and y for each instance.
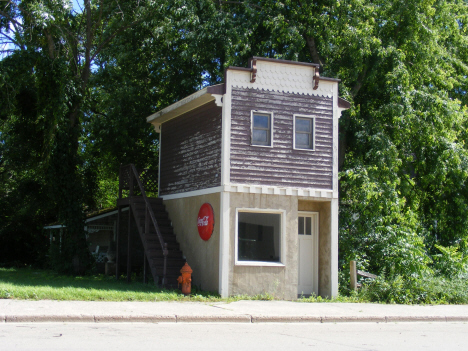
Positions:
(226, 133)
(207, 191)
(257, 189)
(275, 190)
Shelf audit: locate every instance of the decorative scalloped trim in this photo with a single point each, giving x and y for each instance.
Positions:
(314, 93)
(282, 78)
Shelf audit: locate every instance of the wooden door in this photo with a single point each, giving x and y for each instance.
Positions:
(308, 253)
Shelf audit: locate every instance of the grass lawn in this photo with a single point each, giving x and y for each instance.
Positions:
(36, 284)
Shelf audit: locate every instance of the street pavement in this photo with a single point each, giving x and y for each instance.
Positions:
(26, 311)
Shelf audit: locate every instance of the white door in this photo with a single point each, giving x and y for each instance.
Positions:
(308, 253)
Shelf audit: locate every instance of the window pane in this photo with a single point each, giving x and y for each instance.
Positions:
(308, 230)
(303, 140)
(261, 121)
(260, 136)
(259, 236)
(301, 226)
(303, 125)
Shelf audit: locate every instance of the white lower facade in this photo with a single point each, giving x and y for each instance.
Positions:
(264, 241)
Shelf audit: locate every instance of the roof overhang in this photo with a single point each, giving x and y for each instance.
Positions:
(201, 97)
(343, 105)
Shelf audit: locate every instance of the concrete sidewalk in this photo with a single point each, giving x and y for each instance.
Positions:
(21, 311)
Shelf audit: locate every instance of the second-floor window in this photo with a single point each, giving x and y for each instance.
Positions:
(304, 132)
(262, 130)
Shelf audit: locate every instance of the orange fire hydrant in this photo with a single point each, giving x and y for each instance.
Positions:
(186, 279)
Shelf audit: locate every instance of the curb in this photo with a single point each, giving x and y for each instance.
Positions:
(222, 319)
(225, 319)
(348, 319)
(48, 318)
(137, 319)
(286, 319)
(391, 319)
(457, 318)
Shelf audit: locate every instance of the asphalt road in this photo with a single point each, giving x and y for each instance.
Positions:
(231, 336)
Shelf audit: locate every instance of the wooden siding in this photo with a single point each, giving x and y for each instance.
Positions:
(281, 165)
(191, 151)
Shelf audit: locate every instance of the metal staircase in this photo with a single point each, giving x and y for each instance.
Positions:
(161, 249)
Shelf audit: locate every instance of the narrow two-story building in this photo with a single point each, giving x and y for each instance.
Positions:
(248, 174)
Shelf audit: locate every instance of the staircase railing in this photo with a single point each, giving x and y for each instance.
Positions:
(127, 177)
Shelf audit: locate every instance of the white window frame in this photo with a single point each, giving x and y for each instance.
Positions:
(270, 114)
(282, 261)
(294, 132)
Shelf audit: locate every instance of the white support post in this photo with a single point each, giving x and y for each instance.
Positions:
(334, 248)
(224, 241)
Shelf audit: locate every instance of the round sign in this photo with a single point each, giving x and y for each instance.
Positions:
(205, 221)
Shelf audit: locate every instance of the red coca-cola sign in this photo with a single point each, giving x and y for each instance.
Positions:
(205, 221)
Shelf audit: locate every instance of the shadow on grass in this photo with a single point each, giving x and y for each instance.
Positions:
(30, 283)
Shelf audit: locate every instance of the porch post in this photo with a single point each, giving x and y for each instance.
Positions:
(117, 246)
(129, 256)
(117, 236)
(145, 265)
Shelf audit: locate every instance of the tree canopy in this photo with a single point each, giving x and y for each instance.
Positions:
(76, 84)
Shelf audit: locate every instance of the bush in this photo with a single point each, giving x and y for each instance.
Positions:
(423, 290)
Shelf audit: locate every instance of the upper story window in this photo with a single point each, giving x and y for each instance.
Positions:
(304, 132)
(262, 128)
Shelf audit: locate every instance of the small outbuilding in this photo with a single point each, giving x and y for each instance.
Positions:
(248, 174)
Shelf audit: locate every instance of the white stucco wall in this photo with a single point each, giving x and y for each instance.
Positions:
(202, 256)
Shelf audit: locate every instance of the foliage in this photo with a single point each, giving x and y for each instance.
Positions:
(451, 261)
(404, 174)
(424, 290)
(75, 87)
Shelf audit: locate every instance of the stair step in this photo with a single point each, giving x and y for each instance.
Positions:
(173, 271)
(166, 233)
(162, 222)
(157, 256)
(152, 235)
(152, 200)
(141, 208)
(175, 260)
(156, 246)
(153, 241)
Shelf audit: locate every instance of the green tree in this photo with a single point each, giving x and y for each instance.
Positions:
(58, 48)
(76, 86)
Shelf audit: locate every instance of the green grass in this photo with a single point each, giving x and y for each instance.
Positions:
(34, 284)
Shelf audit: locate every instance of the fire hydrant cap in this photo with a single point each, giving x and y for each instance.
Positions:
(186, 269)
